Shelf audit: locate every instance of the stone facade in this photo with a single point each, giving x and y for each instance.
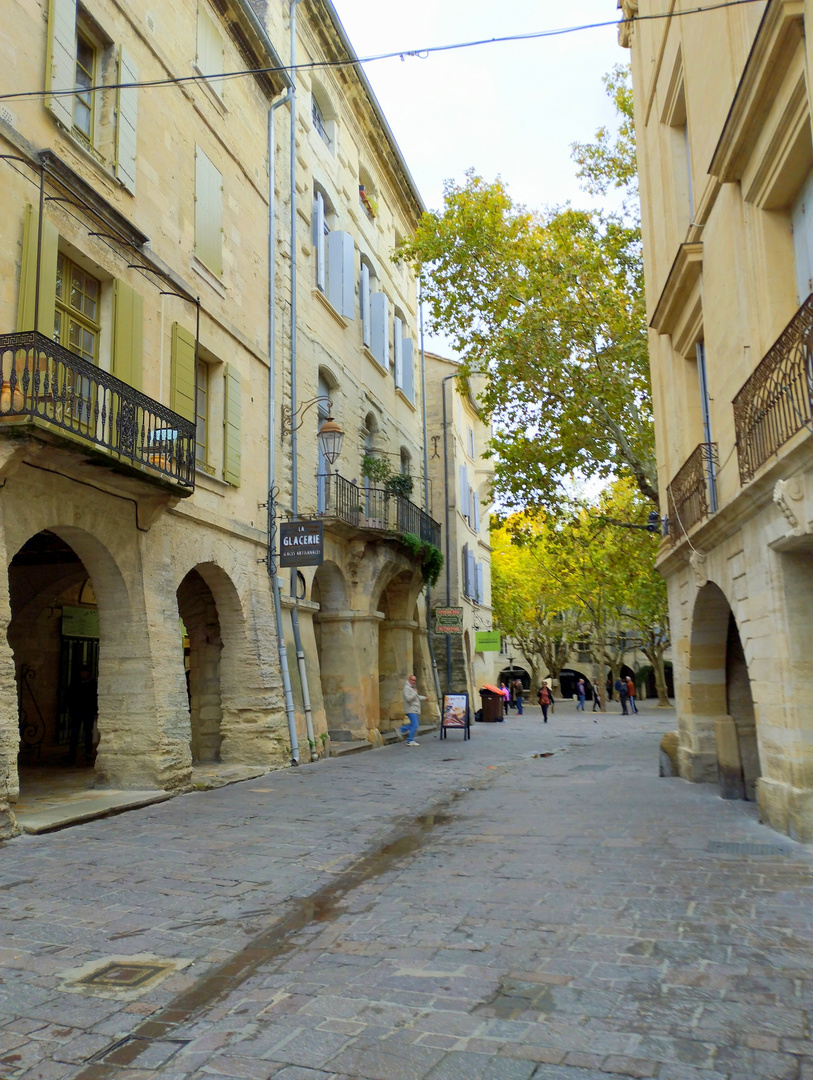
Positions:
(463, 488)
(725, 157)
(132, 519)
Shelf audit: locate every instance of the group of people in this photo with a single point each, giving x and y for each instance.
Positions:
(625, 688)
(512, 695)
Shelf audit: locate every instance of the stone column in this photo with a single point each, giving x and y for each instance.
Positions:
(396, 662)
(345, 673)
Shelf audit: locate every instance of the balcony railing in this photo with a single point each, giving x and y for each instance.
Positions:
(777, 400)
(41, 380)
(691, 494)
(376, 508)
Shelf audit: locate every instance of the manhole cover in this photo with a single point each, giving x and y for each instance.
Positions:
(123, 976)
(729, 847)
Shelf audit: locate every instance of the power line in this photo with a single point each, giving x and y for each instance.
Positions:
(400, 54)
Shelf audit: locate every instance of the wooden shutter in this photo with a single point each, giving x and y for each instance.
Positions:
(28, 274)
(182, 374)
(231, 425)
(397, 352)
(319, 238)
(208, 213)
(408, 368)
(475, 509)
(364, 304)
(465, 561)
(465, 509)
(126, 117)
(480, 594)
(60, 61)
(380, 329)
(340, 276)
(210, 50)
(128, 319)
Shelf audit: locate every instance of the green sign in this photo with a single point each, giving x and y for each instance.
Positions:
(486, 641)
(80, 622)
(449, 620)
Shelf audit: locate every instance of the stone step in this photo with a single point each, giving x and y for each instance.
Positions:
(354, 746)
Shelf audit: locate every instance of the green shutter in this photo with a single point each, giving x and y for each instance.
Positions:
(126, 121)
(127, 330)
(28, 274)
(208, 213)
(60, 60)
(182, 377)
(231, 425)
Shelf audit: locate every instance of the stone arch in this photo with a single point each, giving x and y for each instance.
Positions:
(396, 657)
(47, 567)
(721, 728)
(212, 613)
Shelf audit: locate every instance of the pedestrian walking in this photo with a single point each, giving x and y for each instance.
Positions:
(631, 693)
(82, 711)
(545, 700)
(518, 695)
(596, 696)
(581, 690)
(412, 708)
(621, 688)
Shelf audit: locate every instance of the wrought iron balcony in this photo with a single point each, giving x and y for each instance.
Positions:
(375, 508)
(777, 400)
(41, 381)
(692, 493)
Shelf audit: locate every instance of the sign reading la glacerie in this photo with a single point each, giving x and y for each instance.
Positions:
(301, 543)
(449, 620)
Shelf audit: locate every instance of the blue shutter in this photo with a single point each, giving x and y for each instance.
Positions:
(319, 239)
(364, 304)
(479, 573)
(408, 368)
(475, 510)
(340, 277)
(465, 560)
(465, 508)
(397, 355)
(380, 329)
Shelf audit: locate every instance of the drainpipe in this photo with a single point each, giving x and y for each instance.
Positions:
(435, 676)
(446, 501)
(272, 442)
(300, 653)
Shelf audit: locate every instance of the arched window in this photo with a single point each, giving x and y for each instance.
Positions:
(406, 461)
(323, 116)
(323, 216)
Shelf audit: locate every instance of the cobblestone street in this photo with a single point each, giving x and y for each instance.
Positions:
(457, 910)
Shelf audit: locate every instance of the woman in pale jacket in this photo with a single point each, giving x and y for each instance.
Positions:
(412, 708)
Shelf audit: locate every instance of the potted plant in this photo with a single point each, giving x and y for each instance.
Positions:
(400, 484)
(375, 469)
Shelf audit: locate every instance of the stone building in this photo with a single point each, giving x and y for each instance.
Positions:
(461, 479)
(722, 117)
(140, 397)
(360, 615)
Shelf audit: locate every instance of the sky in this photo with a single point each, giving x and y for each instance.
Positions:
(511, 109)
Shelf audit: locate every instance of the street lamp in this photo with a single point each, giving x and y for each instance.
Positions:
(329, 436)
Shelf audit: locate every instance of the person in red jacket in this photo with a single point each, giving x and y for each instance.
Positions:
(545, 700)
(631, 693)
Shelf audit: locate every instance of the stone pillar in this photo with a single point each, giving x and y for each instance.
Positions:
(345, 674)
(396, 662)
(729, 762)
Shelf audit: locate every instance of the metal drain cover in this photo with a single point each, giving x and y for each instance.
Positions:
(121, 977)
(124, 976)
(730, 847)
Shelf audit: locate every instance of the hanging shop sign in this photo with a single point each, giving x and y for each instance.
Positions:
(301, 543)
(81, 622)
(486, 641)
(449, 620)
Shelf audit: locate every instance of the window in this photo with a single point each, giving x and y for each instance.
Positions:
(802, 222)
(76, 317)
(210, 51)
(208, 213)
(83, 103)
(368, 196)
(674, 115)
(475, 511)
(406, 462)
(323, 116)
(202, 414)
(465, 504)
(470, 443)
(91, 91)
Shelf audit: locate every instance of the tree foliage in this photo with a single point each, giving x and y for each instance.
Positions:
(551, 306)
(584, 577)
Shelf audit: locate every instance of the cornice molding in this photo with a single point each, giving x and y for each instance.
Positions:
(775, 45)
(680, 283)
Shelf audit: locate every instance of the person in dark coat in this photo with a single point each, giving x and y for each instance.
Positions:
(82, 711)
(621, 688)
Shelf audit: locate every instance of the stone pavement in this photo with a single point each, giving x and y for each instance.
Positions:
(451, 911)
